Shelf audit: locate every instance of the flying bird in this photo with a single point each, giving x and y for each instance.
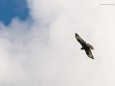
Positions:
(85, 46)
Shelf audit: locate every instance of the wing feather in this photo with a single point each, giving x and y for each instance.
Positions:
(80, 40)
(89, 54)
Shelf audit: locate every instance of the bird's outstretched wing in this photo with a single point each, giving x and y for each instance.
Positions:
(80, 40)
(89, 53)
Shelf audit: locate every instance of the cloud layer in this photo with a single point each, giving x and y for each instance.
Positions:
(46, 53)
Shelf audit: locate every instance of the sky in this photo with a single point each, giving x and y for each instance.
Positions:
(38, 45)
(13, 8)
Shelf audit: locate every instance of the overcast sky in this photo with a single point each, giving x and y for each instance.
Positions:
(39, 48)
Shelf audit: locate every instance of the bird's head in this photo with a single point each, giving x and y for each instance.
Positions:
(82, 48)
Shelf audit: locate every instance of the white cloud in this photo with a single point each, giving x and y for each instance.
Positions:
(46, 53)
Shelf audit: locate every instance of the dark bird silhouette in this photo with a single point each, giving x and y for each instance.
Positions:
(85, 46)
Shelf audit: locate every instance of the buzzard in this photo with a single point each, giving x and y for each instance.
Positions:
(85, 46)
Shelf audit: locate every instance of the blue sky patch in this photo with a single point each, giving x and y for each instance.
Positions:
(13, 8)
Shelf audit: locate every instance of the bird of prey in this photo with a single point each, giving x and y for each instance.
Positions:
(85, 46)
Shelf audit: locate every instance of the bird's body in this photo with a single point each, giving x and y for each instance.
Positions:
(85, 46)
